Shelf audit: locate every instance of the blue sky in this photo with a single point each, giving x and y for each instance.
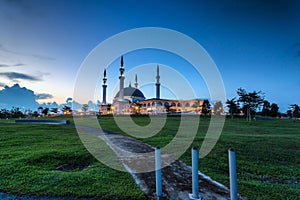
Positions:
(254, 43)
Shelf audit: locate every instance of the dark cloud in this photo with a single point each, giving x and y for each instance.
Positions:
(23, 98)
(15, 75)
(69, 99)
(2, 84)
(14, 65)
(17, 96)
(44, 96)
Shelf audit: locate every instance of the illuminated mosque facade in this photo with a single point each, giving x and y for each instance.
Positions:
(130, 100)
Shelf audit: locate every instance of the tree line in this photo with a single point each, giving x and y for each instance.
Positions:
(16, 112)
(247, 104)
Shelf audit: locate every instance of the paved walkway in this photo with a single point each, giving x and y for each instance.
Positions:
(176, 177)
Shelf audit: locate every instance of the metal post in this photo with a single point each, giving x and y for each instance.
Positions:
(195, 174)
(158, 172)
(232, 174)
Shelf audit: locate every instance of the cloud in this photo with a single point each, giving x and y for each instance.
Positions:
(15, 75)
(37, 56)
(44, 96)
(2, 84)
(13, 65)
(69, 100)
(10, 51)
(43, 57)
(17, 96)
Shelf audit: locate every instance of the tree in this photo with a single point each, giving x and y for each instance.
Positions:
(205, 107)
(251, 101)
(67, 110)
(233, 106)
(35, 114)
(54, 110)
(266, 111)
(274, 110)
(168, 108)
(85, 107)
(45, 111)
(295, 110)
(15, 112)
(40, 109)
(289, 113)
(218, 108)
(4, 114)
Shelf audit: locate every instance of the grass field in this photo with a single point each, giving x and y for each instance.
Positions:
(50, 159)
(268, 154)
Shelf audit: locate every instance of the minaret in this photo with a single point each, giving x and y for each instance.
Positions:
(157, 83)
(136, 82)
(121, 77)
(104, 88)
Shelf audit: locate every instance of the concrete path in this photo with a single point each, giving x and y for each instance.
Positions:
(176, 176)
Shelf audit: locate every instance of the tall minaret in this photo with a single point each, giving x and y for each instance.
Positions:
(136, 82)
(104, 88)
(157, 83)
(121, 77)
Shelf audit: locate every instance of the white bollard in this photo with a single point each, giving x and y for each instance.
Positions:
(158, 172)
(195, 174)
(232, 174)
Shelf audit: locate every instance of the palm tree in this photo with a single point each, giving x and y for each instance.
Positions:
(54, 110)
(85, 107)
(67, 110)
(232, 105)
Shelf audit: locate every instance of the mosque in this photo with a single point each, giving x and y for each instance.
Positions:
(130, 100)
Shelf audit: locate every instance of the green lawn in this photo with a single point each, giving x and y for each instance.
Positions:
(268, 154)
(49, 160)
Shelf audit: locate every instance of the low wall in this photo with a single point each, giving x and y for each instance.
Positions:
(32, 121)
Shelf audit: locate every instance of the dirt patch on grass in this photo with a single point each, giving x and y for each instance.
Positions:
(61, 161)
(72, 167)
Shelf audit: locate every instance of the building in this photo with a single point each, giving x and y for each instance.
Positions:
(130, 100)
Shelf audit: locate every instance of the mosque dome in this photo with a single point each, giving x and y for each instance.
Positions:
(132, 92)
